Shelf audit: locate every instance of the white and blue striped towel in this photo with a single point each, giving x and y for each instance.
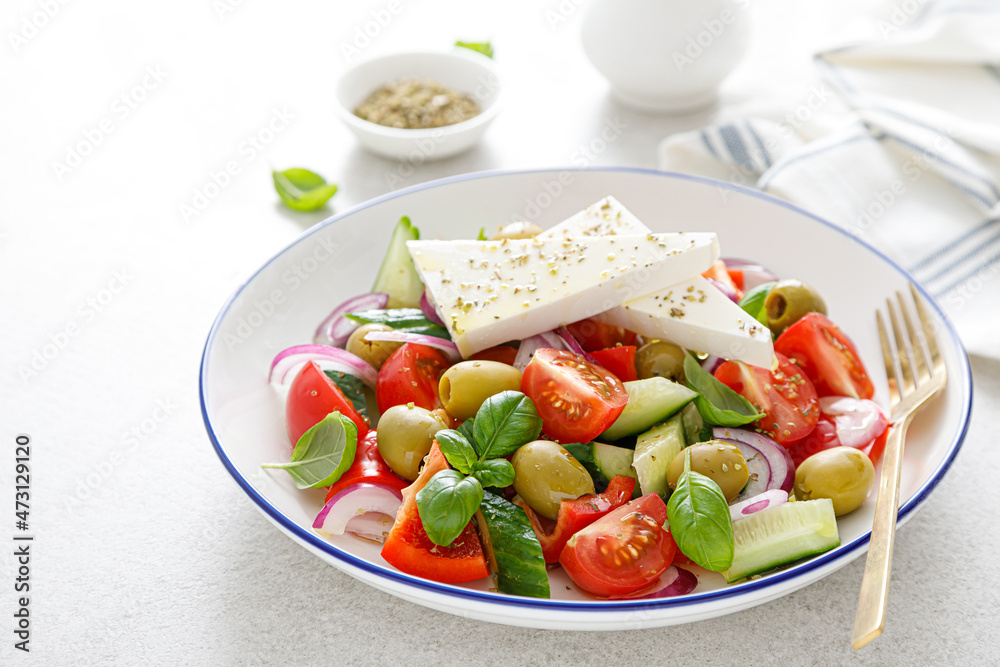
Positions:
(911, 164)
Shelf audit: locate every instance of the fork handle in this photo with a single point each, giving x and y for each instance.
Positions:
(873, 601)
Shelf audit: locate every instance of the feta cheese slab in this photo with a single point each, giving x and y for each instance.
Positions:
(692, 314)
(604, 218)
(697, 316)
(490, 292)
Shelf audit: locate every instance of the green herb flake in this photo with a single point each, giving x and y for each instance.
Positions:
(301, 189)
(323, 453)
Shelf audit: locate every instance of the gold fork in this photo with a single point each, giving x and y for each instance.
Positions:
(920, 377)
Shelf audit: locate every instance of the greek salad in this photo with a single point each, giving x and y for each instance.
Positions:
(625, 405)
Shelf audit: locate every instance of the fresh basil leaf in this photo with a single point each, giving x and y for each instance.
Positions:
(353, 390)
(323, 453)
(459, 453)
(753, 302)
(446, 505)
(410, 320)
(482, 234)
(466, 429)
(495, 472)
(699, 519)
(717, 403)
(504, 422)
(484, 48)
(302, 189)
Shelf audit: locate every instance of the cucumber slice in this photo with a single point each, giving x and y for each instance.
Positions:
(512, 548)
(650, 401)
(654, 450)
(694, 425)
(603, 462)
(781, 535)
(397, 276)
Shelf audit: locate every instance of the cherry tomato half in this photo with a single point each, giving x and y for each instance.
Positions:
(827, 357)
(410, 375)
(785, 396)
(577, 400)
(622, 552)
(311, 397)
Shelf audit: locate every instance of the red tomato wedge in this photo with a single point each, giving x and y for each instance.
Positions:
(827, 357)
(408, 549)
(721, 273)
(619, 360)
(785, 396)
(575, 515)
(410, 375)
(577, 400)
(368, 467)
(502, 353)
(594, 335)
(622, 552)
(311, 397)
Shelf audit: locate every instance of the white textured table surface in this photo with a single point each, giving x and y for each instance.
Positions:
(144, 549)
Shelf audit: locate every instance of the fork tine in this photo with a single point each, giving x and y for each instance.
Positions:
(918, 350)
(928, 326)
(890, 367)
(906, 370)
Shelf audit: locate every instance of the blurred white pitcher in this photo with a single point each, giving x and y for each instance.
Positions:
(665, 55)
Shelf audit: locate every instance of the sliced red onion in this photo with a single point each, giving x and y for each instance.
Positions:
(753, 274)
(675, 581)
(336, 329)
(328, 358)
(427, 308)
(858, 420)
(761, 501)
(770, 465)
(725, 289)
(527, 349)
(357, 501)
(572, 344)
(371, 526)
(712, 363)
(446, 346)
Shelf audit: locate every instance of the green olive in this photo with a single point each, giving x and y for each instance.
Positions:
(404, 437)
(788, 301)
(517, 230)
(662, 359)
(722, 462)
(545, 474)
(375, 352)
(845, 475)
(465, 386)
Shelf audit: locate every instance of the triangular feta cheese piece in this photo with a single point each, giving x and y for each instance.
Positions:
(604, 218)
(490, 292)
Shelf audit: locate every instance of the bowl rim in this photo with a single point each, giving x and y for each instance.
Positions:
(844, 553)
(484, 117)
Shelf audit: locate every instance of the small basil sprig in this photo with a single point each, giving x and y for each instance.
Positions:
(699, 519)
(718, 404)
(484, 48)
(302, 189)
(323, 453)
(753, 302)
(449, 500)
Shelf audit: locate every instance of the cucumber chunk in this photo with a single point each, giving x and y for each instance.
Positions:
(650, 401)
(603, 462)
(397, 276)
(511, 548)
(695, 429)
(654, 450)
(781, 535)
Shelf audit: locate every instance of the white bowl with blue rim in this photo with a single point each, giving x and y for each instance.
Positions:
(244, 414)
